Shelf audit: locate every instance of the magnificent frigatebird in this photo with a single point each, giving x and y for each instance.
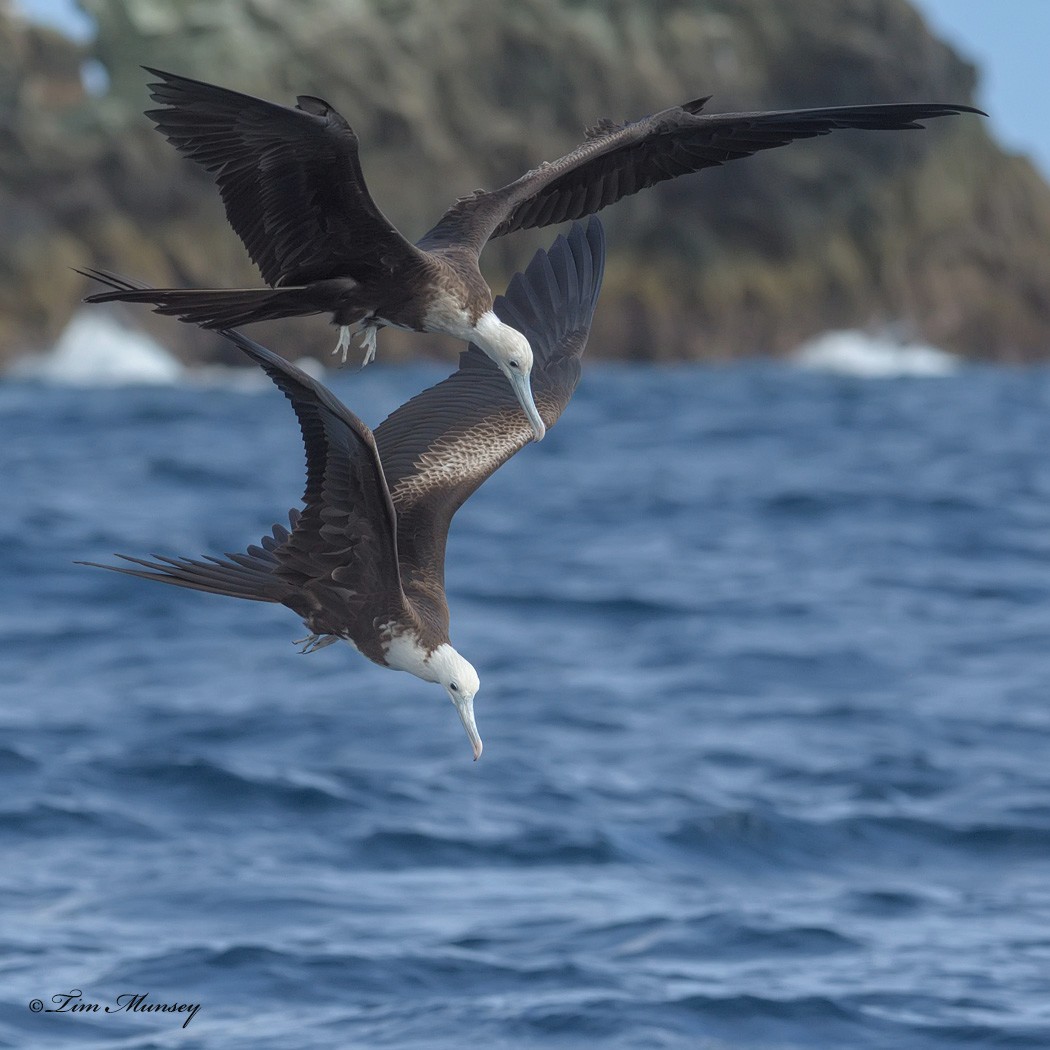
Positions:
(294, 192)
(364, 560)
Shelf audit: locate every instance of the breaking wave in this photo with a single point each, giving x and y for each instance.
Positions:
(857, 353)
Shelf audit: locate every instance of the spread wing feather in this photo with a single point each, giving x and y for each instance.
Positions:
(618, 160)
(343, 548)
(295, 193)
(290, 178)
(440, 446)
(341, 552)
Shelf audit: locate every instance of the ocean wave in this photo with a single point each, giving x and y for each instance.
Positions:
(13, 761)
(765, 721)
(51, 819)
(871, 839)
(95, 350)
(217, 786)
(721, 935)
(530, 846)
(869, 356)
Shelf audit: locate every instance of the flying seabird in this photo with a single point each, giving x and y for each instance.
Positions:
(364, 560)
(295, 194)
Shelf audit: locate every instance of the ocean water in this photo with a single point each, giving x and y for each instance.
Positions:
(765, 663)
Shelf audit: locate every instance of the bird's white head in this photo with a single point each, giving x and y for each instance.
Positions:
(461, 682)
(511, 353)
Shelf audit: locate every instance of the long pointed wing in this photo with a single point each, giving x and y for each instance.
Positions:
(440, 446)
(342, 552)
(618, 160)
(290, 178)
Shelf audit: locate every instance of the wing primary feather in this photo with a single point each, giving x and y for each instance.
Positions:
(584, 259)
(322, 419)
(555, 293)
(564, 262)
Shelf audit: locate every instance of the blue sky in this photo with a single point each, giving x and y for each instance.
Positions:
(1008, 39)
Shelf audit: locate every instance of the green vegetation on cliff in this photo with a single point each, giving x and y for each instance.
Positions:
(937, 231)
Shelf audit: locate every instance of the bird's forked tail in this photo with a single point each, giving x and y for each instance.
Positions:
(222, 307)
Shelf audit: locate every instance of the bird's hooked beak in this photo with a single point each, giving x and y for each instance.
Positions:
(509, 350)
(465, 708)
(523, 391)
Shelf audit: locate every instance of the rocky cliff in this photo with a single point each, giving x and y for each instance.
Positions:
(938, 232)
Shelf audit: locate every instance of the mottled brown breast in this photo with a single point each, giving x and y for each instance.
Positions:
(460, 284)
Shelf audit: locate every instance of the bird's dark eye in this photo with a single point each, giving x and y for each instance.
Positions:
(453, 687)
(514, 364)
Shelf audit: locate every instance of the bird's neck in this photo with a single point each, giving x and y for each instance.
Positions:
(489, 333)
(405, 652)
(460, 299)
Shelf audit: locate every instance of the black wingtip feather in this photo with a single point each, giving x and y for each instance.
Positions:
(558, 290)
(115, 281)
(697, 104)
(313, 105)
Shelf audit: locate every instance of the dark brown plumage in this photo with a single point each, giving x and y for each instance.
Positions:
(295, 193)
(364, 560)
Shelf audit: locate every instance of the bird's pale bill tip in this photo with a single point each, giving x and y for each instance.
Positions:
(523, 392)
(465, 709)
(535, 419)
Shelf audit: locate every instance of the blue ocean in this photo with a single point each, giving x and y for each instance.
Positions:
(765, 665)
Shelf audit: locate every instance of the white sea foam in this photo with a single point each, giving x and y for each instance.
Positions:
(870, 356)
(94, 350)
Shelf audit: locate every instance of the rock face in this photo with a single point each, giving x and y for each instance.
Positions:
(936, 232)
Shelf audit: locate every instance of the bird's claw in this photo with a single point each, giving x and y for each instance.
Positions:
(313, 642)
(343, 346)
(368, 344)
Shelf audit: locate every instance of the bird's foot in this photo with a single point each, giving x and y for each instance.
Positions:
(368, 344)
(313, 642)
(343, 346)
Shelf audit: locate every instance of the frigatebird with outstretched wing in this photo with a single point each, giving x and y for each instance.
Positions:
(364, 560)
(294, 191)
